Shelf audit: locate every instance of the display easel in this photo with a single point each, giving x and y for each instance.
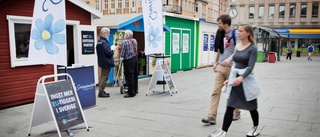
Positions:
(57, 101)
(162, 68)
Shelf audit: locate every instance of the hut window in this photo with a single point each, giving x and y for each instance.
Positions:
(19, 35)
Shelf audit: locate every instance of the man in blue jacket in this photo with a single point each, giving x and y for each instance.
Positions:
(105, 60)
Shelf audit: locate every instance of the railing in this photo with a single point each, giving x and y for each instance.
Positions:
(172, 8)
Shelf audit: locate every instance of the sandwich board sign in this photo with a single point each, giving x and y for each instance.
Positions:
(57, 101)
(162, 68)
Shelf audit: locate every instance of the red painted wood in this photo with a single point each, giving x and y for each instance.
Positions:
(18, 85)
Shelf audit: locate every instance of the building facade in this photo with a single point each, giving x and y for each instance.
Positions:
(207, 9)
(297, 20)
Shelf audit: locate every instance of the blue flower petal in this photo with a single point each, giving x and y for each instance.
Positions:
(58, 26)
(48, 22)
(156, 31)
(158, 38)
(35, 34)
(39, 44)
(151, 30)
(51, 47)
(59, 38)
(39, 25)
(154, 44)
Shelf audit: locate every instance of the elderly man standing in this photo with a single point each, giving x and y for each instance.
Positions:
(105, 60)
(128, 55)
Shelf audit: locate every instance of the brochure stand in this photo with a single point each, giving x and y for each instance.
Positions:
(57, 101)
(162, 68)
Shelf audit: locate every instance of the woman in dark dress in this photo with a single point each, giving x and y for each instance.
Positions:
(242, 87)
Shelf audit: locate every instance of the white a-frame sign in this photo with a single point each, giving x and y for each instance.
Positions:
(162, 68)
(57, 101)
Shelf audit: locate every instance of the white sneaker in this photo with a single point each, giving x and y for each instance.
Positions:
(253, 132)
(218, 133)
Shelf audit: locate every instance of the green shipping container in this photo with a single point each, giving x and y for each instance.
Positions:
(180, 43)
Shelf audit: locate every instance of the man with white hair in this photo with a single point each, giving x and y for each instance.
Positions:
(129, 56)
(105, 60)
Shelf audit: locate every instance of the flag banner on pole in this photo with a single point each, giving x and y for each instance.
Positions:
(153, 26)
(48, 33)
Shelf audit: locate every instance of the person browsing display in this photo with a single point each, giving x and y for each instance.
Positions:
(129, 57)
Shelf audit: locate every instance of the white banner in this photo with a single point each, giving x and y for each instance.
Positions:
(48, 33)
(153, 26)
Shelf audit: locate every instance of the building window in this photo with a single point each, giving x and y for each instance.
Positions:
(119, 4)
(187, 6)
(105, 4)
(292, 10)
(88, 2)
(140, 3)
(112, 6)
(133, 3)
(315, 8)
(251, 12)
(126, 3)
(225, 7)
(97, 4)
(271, 11)
(261, 12)
(303, 10)
(19, 35)
(164, 2)
(281, 11)
(220, 6)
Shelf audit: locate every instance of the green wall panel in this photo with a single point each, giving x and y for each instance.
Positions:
(182, 60)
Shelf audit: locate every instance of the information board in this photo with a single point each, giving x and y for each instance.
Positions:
(87, 40)
(167, 76)
(162, 69)
(65, 105)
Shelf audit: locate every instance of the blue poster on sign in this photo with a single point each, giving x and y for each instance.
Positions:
(211, 42)
(83, 78)
(87, 42)
(65, 105)
(205, 42)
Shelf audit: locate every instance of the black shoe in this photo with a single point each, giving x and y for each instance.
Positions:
(128, 96)
(103, 95)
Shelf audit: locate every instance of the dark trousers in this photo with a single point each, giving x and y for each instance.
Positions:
(131, 75)
(289, 56)
(227, 120)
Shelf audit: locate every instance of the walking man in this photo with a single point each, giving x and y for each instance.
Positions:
(225, 41)
(310, 51)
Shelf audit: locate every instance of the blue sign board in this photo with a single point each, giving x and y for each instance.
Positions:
(205, 42)
(65, 104)
(83, 78)
(211, 42)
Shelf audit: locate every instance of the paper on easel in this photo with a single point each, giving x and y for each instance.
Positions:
(162, 69)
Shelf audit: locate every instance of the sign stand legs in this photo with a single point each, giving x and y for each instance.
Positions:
(69, 130)
(162, 68)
